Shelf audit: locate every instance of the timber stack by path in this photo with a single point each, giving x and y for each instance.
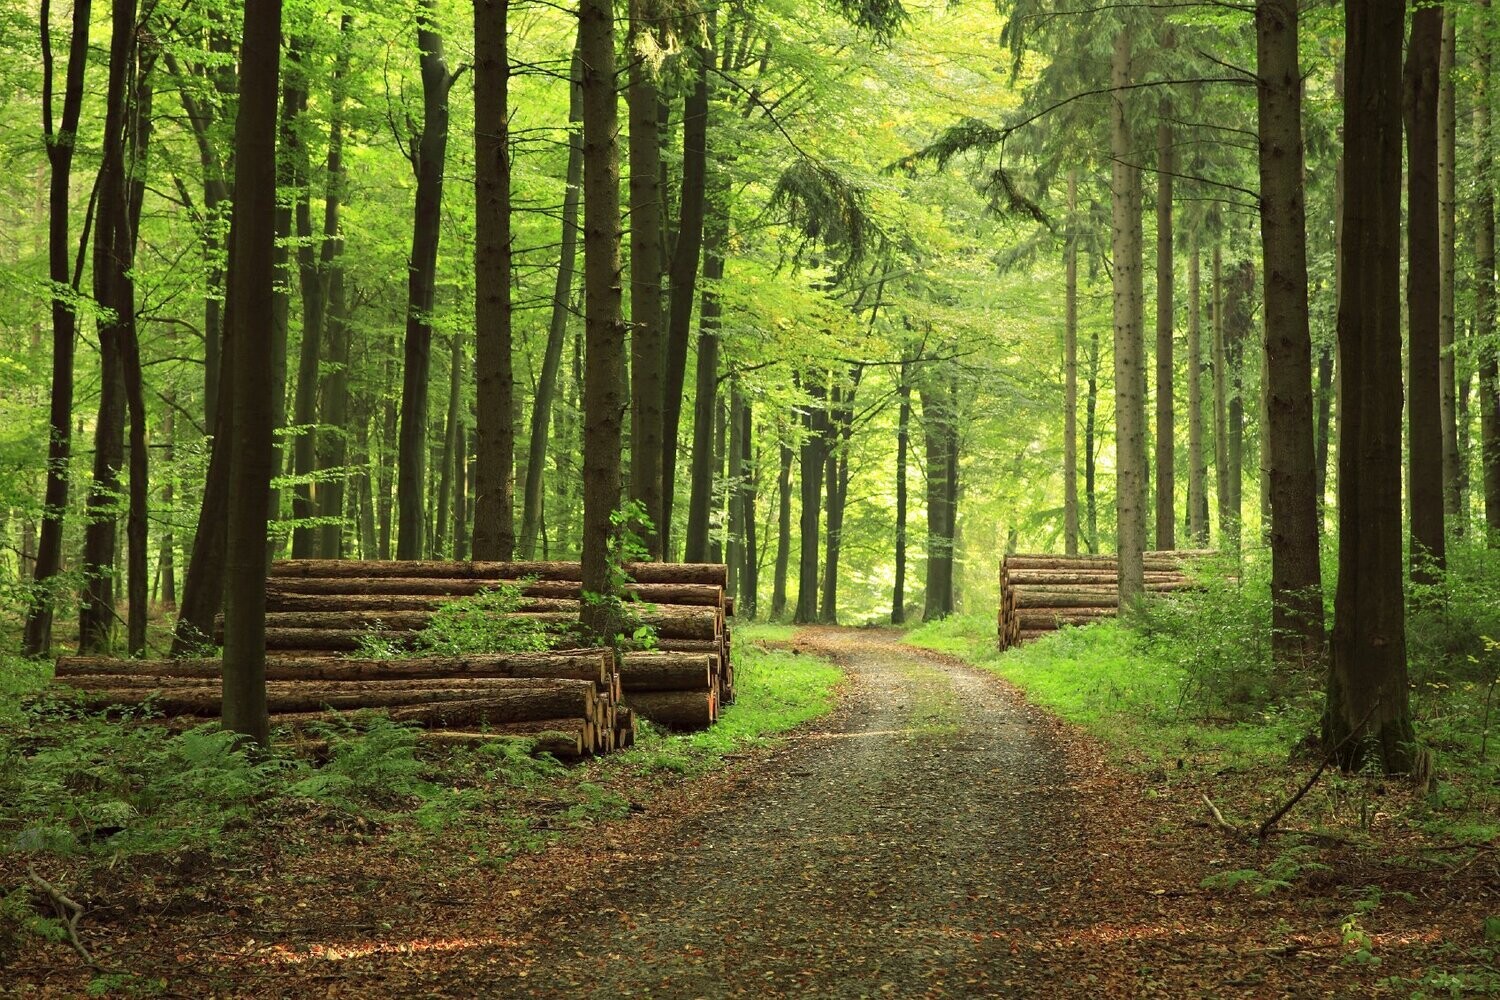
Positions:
(1041, 593)
(571, 702)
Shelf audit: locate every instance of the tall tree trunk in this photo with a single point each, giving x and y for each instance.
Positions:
(252, 457)
(306, 537)
(495, 434)
(1424, 295)
(1070, 393)
(1237, 320)
(461, 479)
(719, 519)
(1296, 575)
(61, 140)
(700, 500)
(562, 291)
(814, 454)
(1197, 466)
(453, 457)
(783, 532)
(683, 271)
(838, 493)
(750, 566)
(335, 416)
(1228, 516)
(1090, 416)
(1130, 414)
(114, 290)
(428, 157)
(735, 533)
(604, 362)
(1166, 430)
(137, 530)
(1484, 280)
(1447, 232)
(1368, 715)
(903, 441)
(166, 565)
(937, 419)
(388, 447)
(648, 356)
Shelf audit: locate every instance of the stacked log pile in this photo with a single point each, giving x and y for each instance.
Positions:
(574, 702)
(1042, 593)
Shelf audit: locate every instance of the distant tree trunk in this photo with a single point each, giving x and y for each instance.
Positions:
(1237, 320)
(604, 362)
(746, 474)
(683, 272)
(306, 538)
(453, 432)
(1424, 279)
(1130, 414)
(114, 290)
(388, 447)
(1228, 516)
(700, 500)
(842, 411)
(335, 417)
(783, 532)
(137, 531)
(813, 458)
(938, 430)
(1197, 466)
(648, 347)
(1296, 574)
(562, 291)
(428, 154)
(1091, 409)
(1368, 715)
(494, 433)
(903, 442)
(1166, 429)
(1070, 398)
(1484, 281)
(719, 519)
(166, 564)
(251, 276)
(61, 140)
(1447, 232)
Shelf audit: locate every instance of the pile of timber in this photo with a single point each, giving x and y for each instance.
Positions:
(566, 704)
(1042, 593)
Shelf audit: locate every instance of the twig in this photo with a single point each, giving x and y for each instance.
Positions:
(1265, 828)
(1218, 818)
(68, 909)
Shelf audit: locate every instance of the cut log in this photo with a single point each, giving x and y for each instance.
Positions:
(675, 709)
(667, 672)
(712, 574)
(697, 594)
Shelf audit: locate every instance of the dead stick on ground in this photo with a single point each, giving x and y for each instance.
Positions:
(1265, 828)
(68, 909)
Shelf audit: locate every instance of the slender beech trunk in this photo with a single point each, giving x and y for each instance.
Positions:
(166, 565)
(1447, 232)
(494, 383)
(114, 290)
(1296, 575)
(719, 519)
(252, 458)
(428, 156)
(1424, 295)
(903, 443)
(700, 500)
(750, 567)
(1166, 429)
(814, 454)
(683, 272)
(385, 477)
(1368, 715)
(306, 538)
(604, 361)
(1484, 280)
(562, 291)
(735, 535)
(938, 430)
(1237, 320)
(61, 139)
(335, 415)
(291, 176)
(838, 492)
(1130, 414)
(783, 532)
(462, 475)
(1228, 517)
(137, 531)
(648, 356)
(1090, 456)
(1070, 393)
(453, 458)
(1197, 466)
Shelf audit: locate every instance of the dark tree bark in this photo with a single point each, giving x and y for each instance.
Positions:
(1447, 231)
(136, 529)
(842, 432)
(1090, 458)
(1197, 465)
(306, 537)
(1070, 393)
(385, 477)
(700, 500)
(604, 362)
(683, 272)
(428, 155)
(746, 477)
(1130, 403)
(814, 456)
(546, 388)
(1368, 715)
(252, 457)
(1166, 430)
(335, 451)
(940, 433)
(1424, 295)
(1296, 575)
(1484, 281)
(783, 533)
(1228, 515)
(647, 336)
(452, 465)
(495, 435)
(61, 140)
(166, 566)
(903, 443)
(114, 247)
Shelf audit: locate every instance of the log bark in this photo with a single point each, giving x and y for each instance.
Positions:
(667, 671)
(676, 709)
(712, 574)
(696, 594)
(593, 666)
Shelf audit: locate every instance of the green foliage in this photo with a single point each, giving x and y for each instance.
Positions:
(485, 622)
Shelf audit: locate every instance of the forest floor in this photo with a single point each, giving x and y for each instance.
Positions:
(936, 835)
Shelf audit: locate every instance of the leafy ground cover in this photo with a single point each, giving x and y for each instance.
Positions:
(160, 838)
(1182, 693)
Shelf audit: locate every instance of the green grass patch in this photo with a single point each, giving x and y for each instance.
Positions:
(763, 632)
